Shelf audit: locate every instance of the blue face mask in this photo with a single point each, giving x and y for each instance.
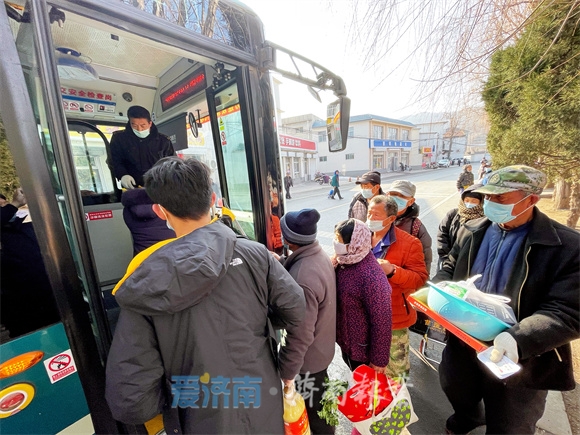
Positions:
(470, 204)
(141, 134)
(501, 213)
(367, 193)
(401, 202)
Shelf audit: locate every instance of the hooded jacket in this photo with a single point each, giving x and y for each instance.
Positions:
(134, 156)
(405, 223)
(310, 347)
(545, 296)
(197, 308)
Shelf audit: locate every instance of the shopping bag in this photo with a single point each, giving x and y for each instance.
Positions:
(390, 420)
(369, 393)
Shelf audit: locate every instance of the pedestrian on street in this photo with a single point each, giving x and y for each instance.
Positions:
(309, 348)
(194, 339)
(535, 262)
(370, 186)
(335, 182)
(364, 322)
(288, 184)
(400, 256)
(470, 207)
(403, 193)
(465, 179)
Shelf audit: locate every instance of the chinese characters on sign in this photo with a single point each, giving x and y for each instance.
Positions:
(296, 143)
(189, 390)
(378, 143)
(87, 101)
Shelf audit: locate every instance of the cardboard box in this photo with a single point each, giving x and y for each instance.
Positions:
(418, 300)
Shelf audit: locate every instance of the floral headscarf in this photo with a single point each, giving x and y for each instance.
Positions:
(359, 246)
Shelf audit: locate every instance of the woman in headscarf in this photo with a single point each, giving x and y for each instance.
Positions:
(470, 207)
(363, 318)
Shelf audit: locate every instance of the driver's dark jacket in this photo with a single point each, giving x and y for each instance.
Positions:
(134, 156)
(544, 288)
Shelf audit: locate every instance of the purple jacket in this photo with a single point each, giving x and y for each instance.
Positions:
(363, 318)
(146, 228)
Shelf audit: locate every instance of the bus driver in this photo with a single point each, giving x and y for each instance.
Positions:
(137, 148)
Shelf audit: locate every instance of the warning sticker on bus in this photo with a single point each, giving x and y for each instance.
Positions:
(98, 215)
(60, 366)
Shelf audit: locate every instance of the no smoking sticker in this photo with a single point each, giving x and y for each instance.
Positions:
(60, 366)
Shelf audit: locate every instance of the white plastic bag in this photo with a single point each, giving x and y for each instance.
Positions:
(495, 305)
(394, 418)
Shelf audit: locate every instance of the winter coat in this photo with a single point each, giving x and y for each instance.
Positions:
(405, 251)
(145, 226)
(134, 156)
(465, 179)
(405, 223)
(363, 320)
(359, 206)
(335, 181)
(288, 182)
(198, 306)
(310, 346)
(545, 296)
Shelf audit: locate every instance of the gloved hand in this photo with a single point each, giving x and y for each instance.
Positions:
(127, 182)
(506, 344)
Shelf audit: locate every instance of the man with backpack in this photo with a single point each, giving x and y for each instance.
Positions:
(370, 185)
(403, 192)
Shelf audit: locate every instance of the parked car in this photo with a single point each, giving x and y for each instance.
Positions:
(444, 163)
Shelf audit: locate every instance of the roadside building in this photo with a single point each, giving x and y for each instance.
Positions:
(374, 143)
(299, 146)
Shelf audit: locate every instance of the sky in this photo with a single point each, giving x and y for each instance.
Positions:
(319, 30)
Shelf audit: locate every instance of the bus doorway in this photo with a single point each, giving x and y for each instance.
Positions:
(69, 72)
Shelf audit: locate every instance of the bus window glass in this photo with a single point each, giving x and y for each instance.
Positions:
(233, 149)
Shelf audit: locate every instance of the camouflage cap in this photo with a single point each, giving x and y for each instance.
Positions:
(512, 178)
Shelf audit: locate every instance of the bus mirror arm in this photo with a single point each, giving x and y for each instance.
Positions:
(323, 79)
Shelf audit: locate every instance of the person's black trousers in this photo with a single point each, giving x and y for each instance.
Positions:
(311, 386)
(478, 397)
(336, 192)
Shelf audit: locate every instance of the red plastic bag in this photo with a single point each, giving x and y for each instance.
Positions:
(370, 394)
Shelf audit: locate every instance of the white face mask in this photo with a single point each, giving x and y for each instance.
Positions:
(367, 193)
(166, 220)
(340, 248)
(375, 226)
(141, 134)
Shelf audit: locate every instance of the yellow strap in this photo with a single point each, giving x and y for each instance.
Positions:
(140, 258)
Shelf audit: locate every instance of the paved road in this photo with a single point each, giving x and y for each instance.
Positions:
(436, 195)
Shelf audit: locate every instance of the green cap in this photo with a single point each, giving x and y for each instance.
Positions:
(512, 178)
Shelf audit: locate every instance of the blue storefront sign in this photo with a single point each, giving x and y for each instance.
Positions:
(379, 143)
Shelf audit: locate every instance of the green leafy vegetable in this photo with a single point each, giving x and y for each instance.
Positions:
(332, 389)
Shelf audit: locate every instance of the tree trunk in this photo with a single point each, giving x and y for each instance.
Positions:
(574, 205)
(561, 195)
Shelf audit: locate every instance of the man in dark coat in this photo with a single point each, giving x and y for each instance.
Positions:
(193, 338)
(309, 347)
(288, 184)
(137, 148)
(534, 261)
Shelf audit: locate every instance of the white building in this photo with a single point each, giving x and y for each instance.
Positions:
(299, 146)
(374, 143)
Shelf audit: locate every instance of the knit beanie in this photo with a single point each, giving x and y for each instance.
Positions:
(299, 227)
